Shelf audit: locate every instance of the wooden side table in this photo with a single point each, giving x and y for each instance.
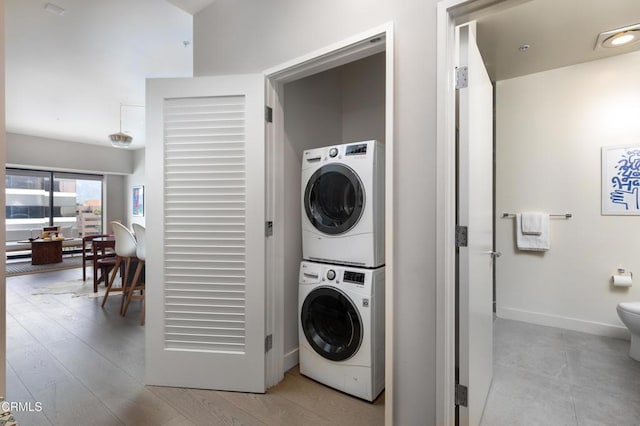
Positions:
(44, 252)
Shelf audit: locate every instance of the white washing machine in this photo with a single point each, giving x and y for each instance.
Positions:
(343, 204)
(341, 328)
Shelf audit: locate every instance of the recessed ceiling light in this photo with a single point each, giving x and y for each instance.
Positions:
(619, 37)
(55, 9)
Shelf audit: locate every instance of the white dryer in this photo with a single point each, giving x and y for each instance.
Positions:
(341, 328)
(343, 204)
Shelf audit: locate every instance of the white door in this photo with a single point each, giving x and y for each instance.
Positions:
(205, 212)
(475, 205)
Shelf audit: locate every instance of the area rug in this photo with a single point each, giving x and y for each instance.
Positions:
(77, 288)
(23, 268)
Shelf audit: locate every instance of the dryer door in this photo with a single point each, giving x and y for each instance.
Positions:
(331, 323)
(334, 199)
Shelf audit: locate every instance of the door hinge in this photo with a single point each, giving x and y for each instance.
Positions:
(461, 236)
(268, 114)
(461, 395)
(268, 343)
(462, 77)
(268, 228)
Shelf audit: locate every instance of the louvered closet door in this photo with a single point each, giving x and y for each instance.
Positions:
(205, 224)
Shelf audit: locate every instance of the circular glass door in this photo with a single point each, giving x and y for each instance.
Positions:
(334, 199)
(331, 324)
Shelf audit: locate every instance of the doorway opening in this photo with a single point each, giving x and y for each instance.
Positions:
(340, 95)
(550, 137)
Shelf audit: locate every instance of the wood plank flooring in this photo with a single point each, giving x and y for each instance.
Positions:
(86, 364)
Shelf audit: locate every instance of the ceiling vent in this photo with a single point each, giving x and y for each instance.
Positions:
(55, 9)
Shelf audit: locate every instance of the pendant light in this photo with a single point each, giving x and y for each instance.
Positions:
(120, 139)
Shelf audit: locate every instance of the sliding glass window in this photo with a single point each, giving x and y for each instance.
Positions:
(73, 201)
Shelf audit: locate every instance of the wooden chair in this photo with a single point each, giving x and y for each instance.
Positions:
(137, 284)
(104, 260)
(125, 252)
(87, 252)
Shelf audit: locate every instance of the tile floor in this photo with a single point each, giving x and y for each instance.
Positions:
(549, 376)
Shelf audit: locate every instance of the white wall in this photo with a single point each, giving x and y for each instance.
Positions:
(135, 179)
(232, 37)
(550, 130)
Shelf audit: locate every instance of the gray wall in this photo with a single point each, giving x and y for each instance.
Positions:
(313, 118)
(362, 84)
(232, 37)
(344, 104)
(114, 204)
(52, 154)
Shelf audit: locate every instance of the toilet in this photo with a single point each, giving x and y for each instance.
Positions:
(629, 313)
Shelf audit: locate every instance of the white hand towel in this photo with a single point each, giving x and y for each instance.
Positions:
(532, 223)
(533, 242)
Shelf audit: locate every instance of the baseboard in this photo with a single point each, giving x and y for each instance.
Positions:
(290, 359)
(584, 326)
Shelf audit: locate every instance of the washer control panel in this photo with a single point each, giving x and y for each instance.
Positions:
(317, 273)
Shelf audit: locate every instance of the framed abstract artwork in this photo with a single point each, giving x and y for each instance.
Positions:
(621, 180)
(137, 193)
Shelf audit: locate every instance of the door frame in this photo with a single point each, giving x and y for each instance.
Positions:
(340, 53)
(451, 13)
(3, 235)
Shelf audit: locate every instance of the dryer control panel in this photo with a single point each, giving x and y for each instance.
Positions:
(353, 277)
(357, 149)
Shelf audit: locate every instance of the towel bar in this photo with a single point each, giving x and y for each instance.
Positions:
(565, 215)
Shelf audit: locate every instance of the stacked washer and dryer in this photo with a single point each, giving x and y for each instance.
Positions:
(341, 292)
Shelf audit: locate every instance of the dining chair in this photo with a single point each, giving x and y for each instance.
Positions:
(125, 252)
(137, 284)
(104, 260)
(87, 252)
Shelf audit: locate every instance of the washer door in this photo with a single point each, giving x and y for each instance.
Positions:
(334, 199)
(331, 323)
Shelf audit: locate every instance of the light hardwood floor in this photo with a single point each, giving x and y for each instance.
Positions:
(85, 365)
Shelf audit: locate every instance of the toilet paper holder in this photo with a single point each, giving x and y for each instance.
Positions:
(622, 278)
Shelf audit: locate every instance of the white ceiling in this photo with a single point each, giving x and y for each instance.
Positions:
(560, 33)
(66, 76)
(191, 6)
